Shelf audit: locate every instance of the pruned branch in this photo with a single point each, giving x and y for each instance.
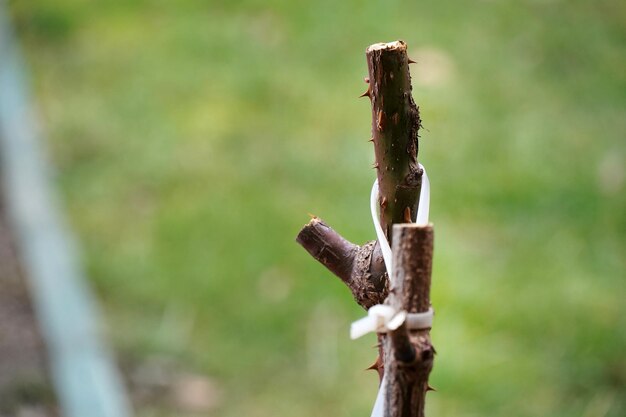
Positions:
(361, 268)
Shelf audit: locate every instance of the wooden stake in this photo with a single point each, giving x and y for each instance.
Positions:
(409, 354)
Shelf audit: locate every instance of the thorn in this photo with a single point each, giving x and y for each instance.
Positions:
(412, 62)
(373, 367)
(429, 388)
(371, 140)
(378, 367)
(366, 93)
(313, 216)
(367, 80)
(383, 202)
(375, 165)
(407, 215)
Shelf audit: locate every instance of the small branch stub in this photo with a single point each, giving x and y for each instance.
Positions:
(361, 268)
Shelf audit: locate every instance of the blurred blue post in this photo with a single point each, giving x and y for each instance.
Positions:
(86, 380)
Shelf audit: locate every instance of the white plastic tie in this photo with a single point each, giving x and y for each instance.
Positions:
(382, 318)
(423, 210)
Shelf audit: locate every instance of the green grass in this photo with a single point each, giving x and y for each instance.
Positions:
(191, 138)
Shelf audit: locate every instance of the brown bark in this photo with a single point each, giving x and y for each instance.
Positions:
(361, 268)
(395, 128)
(409, 354)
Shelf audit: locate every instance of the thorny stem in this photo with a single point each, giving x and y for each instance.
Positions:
(395, 128)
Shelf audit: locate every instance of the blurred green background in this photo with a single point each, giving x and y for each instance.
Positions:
(191, 139)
